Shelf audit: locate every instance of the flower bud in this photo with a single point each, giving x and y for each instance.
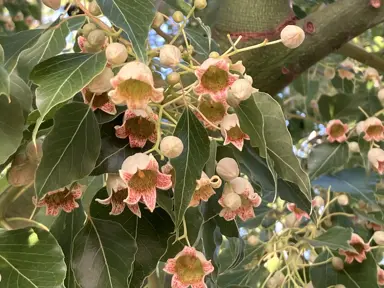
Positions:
(53, 4)
(91, 49)
(354, 147)
(34, 153)
(232, 201)
(178, 16)
(102, 82)
(200, 4)
(241, 185)
(173, 78)
(380, 95)
(227, 169)
(214, 54)
(340, 286)
(171, 146)
(337, 263)
(360, 127)
(94, 9)
(88, 28)
(343, 200)
(116, 53)
(276, 281)
(21, 175)
(253, 240)
(158, 20)
(378, 236)
(291, 221)
(329, 73)
(170, 55)
(318, 201)
(292, 36)
(96, 38)
(273, 264)
(376, 159)
(241, 90)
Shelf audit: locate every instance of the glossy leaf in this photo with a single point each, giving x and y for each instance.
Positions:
(200, 38)
(70, 150)
(190, 163)
(326, 158)
(334, 238)
(21, 91)
(134, 17)
(30, 258)
(5, 83)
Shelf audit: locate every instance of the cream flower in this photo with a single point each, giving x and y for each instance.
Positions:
(116, 53)
(297, 211)
(102, 82)
(346, 70)
(336, 131)
(231, 131)
(360, 249)
(374, 129)
(376, 159)
(99, 101)
(213, 111)
(204, 189)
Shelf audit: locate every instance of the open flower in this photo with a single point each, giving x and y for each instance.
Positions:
(297, 211)
(139, 126)
(371, 74)
(204, 189)
(118, 192)
(214, 79)
(230, 129)
(380, 276)
(374, 129)
(134, 86)
(213, 111)
(169, 170)
(361, 248)
(336, 131)
(142, 175)
(100, 101)
(376, 159)
(64, 198)
(189, 268)
(346, 70)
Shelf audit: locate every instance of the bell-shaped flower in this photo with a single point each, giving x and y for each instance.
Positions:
(376, 159)
(214, 79)
(213, 111)
(373, 129)
(99, 101)
(336, 131)
(380, 276)
(102, 82)
(360, 249)
(139, 126)
(346, 70)
(299, 213)
(371, 74)
(118, 192)
(189, 268)
(142, 175)
(63, 198)
(231, 131)
(204, 189)
(134, 86)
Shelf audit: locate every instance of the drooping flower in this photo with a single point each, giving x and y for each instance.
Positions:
(346, 70)
(375, 3)
(139, 126)
(64, 198)
(204, 189)
(380, 276)
(231, 131)
(189, 268)
(361, 248)
(299, 213)
(336, 131)
(142, 175)
(169, 170)
(214, 79)
(99, 101)
(374, 129)
(134, 85)
(371, 74)
(376, 159)
(118, 192)
(213, 111)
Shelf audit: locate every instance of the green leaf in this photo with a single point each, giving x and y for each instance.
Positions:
(103, 254)
(61, 77)
(65, 228)
(21, 91)
(190, 163)
(70, 150)
(14, 44)
(134, 17)
(343, 85)
(210, 166)
(94, 184)
(179, 5)
(200, 38)
(353, 275)
(1, 55)
(334, 238)
(11, 127)
(5, 82)
(30, 258)
(306, 86)
(326, 158)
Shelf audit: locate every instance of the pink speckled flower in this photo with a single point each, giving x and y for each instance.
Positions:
(336, 131)
(346, 70)
(134, 85)
(139, 126)
(189, 268)
(374, 129)
(231, 131)
(100, 101)
(64, 198)
(118, 192)
(376, 159)
(297, 211)
(204, 189)
(371, 74)
(213, 111)
(169, 170)
(380, 276)
(214, 79)
(358, 244)
(141, 174)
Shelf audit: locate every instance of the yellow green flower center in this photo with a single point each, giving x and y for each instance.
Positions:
(134, 90)
(235, 133)
(213, 111)
(140, 127)
(337, 130)
(214, 79)
(189, 269)
(374, 130)
(143, 180)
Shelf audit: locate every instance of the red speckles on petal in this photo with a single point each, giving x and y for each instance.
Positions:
(360, 247)
(149, 199)
(164, 181)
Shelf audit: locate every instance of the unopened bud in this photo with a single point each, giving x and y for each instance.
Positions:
(227, 169)
(214, 54)
(34, 153)
(360, 127)
(171, 146)
(173, 78)
(232, 201)
(291, 221)
(240, 90)
(102, 82)
(88, 28)
(200, 4)
(94, 9)
(96, 38)
(21, 175)
(170, 55)
(378, 236)
(292, 36)
(318, 201)
(116, 53)
(329, 73)
(253, 240)
(53, 4)
(354, 147)
(337, 263)
(178, 16)
(240, 185)
(343, 200)
(158, 20)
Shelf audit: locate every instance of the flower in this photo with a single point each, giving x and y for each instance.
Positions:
(214, 112)
(230, 129)
(142, 175)
(360, 248)
(204, 189)
(292, 36)
(378, 236)
(380, 276)
(99, 101)
(329, 73)
(336, 131)
(64, 198)
(237, 67)
(171, 146)
(134, 86)
(54, 4)
(214, 79)
(343, 200)
(227, 169)
(169, 170)
(374, 129)
(346, 70)
(170, 55)
(139, 126)
(371, 74)
(318, 202)
(118, 192)
(116, 53)
(189, 268)
(102, 82)
(354, 147)
(300, 214)
(380, 95)
(376, 4)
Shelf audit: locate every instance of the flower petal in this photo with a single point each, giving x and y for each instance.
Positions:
(125, 175)
(149, 199)
(163, 181)
(109, 108)
(136, 142)
(135, 209)
(133, 197)
(170, 266)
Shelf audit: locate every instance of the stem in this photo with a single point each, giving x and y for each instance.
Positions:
(265, 43)
(185, 68)
(336, 214)
(169, 117)
(158, 138)
(183, 25)
(363, 111)
(316, 264)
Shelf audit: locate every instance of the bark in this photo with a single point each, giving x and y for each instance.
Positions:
(335, 25)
